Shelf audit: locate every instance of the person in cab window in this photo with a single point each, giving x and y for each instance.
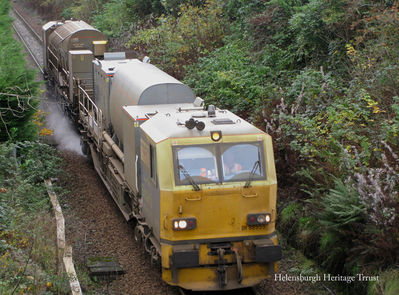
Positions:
(230, 165)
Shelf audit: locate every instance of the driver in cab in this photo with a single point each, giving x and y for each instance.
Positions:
(230, 165)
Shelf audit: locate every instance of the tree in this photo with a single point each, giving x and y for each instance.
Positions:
(17, 86)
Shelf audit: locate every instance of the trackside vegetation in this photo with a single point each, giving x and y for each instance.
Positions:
(17, 85)
(320, 76)
(27, 231)
(27, 228)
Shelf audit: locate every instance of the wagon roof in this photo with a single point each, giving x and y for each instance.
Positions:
(68, 29)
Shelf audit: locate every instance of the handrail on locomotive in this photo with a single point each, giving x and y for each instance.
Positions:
(89, 113)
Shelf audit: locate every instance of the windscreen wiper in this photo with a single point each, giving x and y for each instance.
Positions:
(251, 175)
(190, 179)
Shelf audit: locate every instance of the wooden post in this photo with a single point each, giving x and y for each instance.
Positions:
(60, 222)
(64, 252)
(70, 270)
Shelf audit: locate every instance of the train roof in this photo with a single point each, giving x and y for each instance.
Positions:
(168, 121)
(72, 30)
(145, 84)
(70, 27)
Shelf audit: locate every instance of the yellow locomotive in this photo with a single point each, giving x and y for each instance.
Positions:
(199, 184)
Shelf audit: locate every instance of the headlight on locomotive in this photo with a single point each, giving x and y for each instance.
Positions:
(216, 135)
(258, 218)
(184, 223)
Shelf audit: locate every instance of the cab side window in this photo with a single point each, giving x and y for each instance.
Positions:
(148, 157)
(152, 163)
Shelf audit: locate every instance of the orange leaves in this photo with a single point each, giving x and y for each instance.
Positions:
(39, 120)
(46, 132)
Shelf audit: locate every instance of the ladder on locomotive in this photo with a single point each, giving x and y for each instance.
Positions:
(89, 114)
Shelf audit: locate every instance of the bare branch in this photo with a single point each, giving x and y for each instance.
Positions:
(5, 125)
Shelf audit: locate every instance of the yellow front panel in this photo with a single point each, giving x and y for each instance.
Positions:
(220, 212)
(221, 216)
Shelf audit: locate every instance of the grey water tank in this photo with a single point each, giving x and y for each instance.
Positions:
(138, 83)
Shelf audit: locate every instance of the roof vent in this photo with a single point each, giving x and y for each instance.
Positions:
(222, 121)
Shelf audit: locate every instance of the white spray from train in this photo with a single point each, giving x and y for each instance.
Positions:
(65, 135)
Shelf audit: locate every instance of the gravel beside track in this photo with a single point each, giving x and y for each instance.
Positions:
(95, 227)
(34, 44)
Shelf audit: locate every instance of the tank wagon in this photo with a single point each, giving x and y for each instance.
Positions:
(199, 184)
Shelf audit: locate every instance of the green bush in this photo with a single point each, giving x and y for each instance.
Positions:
(18, 90)
(289, 222)
(111, 19)
(143, 8)
(342, 219)
(27, 247)
(180, 40)
(24, 167)
(337, 134)
(229, 78)
(390, 128)
(387, 284)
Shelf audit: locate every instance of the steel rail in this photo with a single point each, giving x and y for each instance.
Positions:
(29, 50)
(35, 34)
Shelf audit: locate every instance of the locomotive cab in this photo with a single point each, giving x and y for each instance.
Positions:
(208, 187)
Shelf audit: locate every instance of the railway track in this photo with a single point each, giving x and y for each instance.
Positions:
(29, 37)
(28, 26)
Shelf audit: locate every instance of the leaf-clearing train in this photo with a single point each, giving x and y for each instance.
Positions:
(199, 184)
